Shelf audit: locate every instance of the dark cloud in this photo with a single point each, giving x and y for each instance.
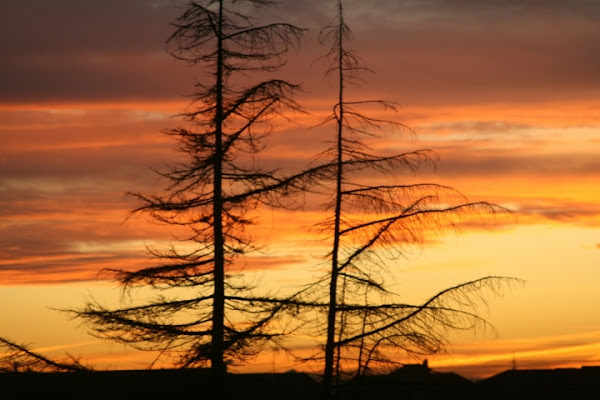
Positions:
(561, 211)
(67, 269)
(87, 50)
(45, 250)
(478, 51)
(438, 12)
(110, 147)
(49, 244)
(450, 65)
(34, 201)
(92, 77)
(422, 52)
(464, 162)
(485, 127)
(67, 234)
(94, 26)
(105, 164)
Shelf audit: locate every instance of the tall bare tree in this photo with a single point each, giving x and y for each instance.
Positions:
(373, 220)
(205, 313)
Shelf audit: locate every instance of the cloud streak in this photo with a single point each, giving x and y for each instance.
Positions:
(65, 171)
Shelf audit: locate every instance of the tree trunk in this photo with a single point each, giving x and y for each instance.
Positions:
(218, 342)
(332, 312)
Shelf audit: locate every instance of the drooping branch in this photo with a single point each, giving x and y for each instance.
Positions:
(18, 358)
(452, 304)
(371, 224)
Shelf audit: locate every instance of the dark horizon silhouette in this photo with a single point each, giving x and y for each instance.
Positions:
(412, 381)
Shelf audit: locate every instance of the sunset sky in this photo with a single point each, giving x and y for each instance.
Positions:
(506, 92)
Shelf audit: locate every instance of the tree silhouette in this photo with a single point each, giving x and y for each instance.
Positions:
(372, 224)
(205, 313)
(20, 358)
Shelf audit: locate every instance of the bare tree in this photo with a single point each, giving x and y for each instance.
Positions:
(206, 313)
(371, 224)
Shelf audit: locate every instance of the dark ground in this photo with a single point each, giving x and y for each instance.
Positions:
(407, 383)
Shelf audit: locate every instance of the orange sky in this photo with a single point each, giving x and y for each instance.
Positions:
(506, 92)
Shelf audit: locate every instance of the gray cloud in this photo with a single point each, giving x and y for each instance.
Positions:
(63, 26)
(498, 163)
(422, 52)
(87, 50)
(109, 164)
(485, 127)
(561, 211)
